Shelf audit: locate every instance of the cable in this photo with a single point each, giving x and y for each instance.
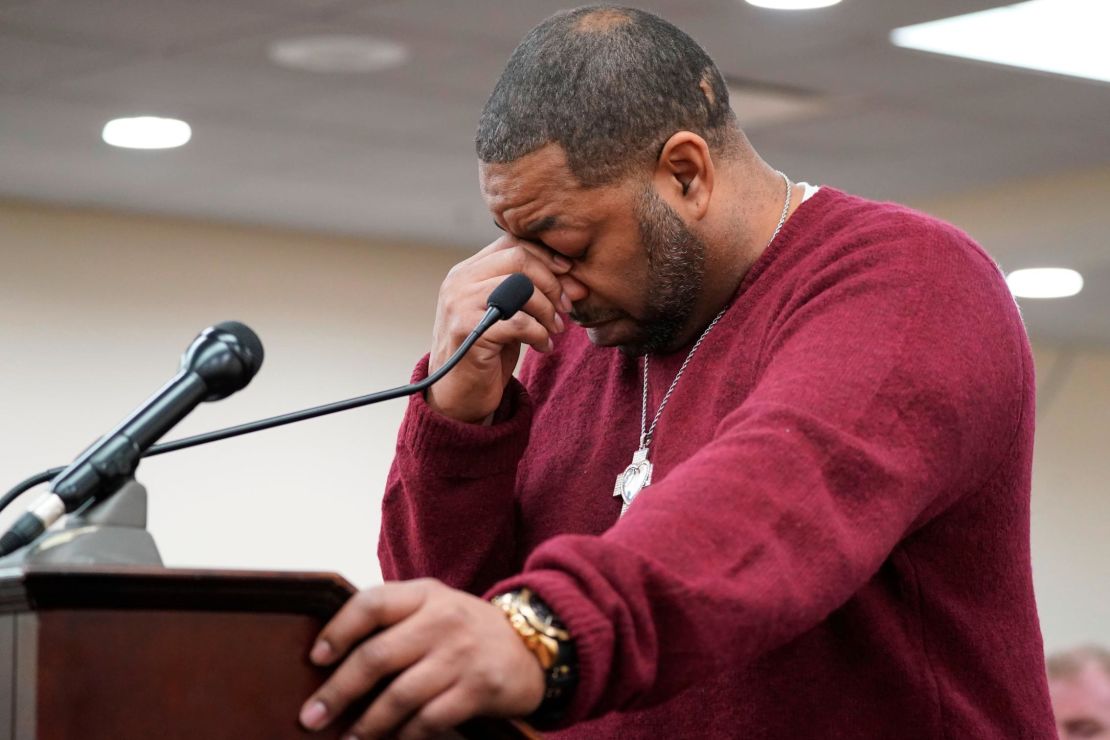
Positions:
(31, 482)
(331, 408)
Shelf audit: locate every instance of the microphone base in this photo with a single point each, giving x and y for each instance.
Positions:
(111, 531)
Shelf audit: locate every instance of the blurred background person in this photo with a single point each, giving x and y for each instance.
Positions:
(1079, 685)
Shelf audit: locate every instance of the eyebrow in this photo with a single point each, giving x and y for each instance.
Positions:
(544, 224)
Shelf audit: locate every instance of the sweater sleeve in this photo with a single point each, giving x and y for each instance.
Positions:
(448, 510)
(892, 384)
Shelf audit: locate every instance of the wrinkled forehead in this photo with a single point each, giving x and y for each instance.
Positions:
(540, 185)
(532, 193)
(543, 173)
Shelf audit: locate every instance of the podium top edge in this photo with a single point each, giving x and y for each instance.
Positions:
(41, 587)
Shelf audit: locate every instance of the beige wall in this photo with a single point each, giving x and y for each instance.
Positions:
(96, 308)
(1071, 496)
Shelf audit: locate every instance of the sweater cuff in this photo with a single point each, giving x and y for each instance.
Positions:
(449, 448)
(591, 631)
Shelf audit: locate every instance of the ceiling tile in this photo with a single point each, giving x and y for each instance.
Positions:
(141, 25)
(27, 62)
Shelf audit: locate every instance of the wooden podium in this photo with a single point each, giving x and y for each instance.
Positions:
(103, 652)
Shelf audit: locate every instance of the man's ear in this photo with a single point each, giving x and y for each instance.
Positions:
(684, 174)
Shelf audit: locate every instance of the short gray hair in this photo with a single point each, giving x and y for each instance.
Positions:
(610, 85)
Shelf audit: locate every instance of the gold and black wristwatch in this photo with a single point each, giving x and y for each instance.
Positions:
(548, 639)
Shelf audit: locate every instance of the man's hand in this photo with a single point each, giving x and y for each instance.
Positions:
(473, 390)
(453, 655)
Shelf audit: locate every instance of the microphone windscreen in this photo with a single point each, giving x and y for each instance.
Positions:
(249, 341)
(511, 295)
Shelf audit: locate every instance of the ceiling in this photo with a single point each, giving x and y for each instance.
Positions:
(1020, 159)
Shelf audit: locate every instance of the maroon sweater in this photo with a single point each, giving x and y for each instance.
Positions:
(836, 542)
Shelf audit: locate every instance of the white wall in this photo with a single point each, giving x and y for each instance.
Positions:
(95, 310)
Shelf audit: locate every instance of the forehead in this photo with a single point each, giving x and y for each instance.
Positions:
(540, 186)
(1089, 687)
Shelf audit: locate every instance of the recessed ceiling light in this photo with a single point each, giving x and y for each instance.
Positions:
(1066, 37)
(338, 53)
(146, 132)
(1044, 282)
(792, 4)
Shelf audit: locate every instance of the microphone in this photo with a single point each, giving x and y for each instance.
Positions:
(507, 298)
(220, 361)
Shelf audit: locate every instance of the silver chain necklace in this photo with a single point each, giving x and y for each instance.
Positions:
(637, 476)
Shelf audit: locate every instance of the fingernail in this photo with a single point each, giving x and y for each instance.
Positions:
(559, 323)
(313, 715)
(550, 345)
(321, 652)
(567, 305)
(561, 262)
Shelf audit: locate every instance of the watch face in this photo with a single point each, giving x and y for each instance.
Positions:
(540, 610)
(545, 615)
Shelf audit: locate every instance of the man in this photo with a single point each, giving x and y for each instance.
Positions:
(1079, 683)
(765, 475)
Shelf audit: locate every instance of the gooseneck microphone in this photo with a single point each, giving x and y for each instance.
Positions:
(116, 456)
(220, 361)
(507, 298)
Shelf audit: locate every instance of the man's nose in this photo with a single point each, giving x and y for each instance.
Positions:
(575, 289)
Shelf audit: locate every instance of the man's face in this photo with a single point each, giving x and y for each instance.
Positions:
(1082, 703)
(640, 266)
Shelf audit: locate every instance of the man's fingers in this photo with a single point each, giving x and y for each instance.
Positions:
(385, 654)
(443, 713)
(556, 262)
(538, 305)
(474, 390)
(503, 263)
(454, 658)
(520, 328)
(404, 697)
(548, 288)
(365, 612)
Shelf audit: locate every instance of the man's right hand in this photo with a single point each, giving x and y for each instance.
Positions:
(472, 391)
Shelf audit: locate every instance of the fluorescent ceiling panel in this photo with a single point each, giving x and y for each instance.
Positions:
(1045, 282)
(792, 4)
(146, 132)
(1067, 37)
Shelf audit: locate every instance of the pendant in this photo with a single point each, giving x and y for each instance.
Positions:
(635, 478)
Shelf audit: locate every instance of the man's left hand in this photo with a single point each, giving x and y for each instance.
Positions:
(453, 656)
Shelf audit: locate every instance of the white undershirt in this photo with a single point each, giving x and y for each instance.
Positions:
(811, 190)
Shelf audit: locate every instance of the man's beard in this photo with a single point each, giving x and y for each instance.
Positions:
(675, 275)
